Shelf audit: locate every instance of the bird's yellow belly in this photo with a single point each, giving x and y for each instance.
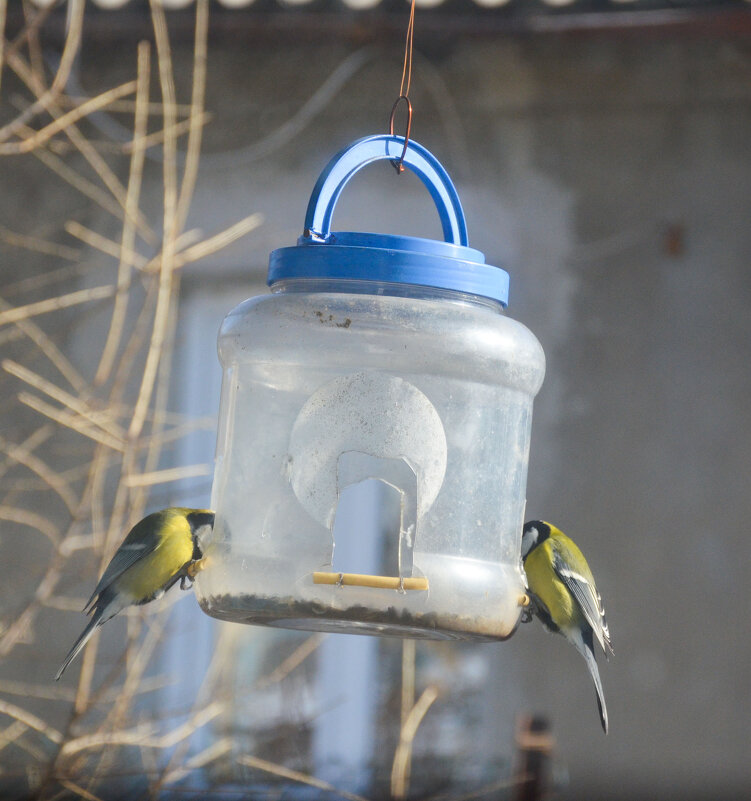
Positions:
(154, 572)
(545, 584)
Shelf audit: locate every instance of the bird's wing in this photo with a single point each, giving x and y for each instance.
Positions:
(584, 591)
(141, 540)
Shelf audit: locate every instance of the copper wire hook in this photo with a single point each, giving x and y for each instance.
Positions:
(399, 163)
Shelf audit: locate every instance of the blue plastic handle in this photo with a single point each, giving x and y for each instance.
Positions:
(376, 148)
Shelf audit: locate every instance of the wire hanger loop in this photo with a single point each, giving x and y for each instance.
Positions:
(399, 163)
(404, 90)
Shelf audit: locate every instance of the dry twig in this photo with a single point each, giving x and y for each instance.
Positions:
(127, 242)
(42, 136)
(113, 428)
(400, 768)
(13, 315)
(296, 776)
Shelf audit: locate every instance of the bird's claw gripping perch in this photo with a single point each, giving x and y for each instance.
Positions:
(528, 608)
(195, 567)
(192, 570)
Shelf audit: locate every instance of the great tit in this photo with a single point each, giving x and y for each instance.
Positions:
(159, 551)
(564, 596)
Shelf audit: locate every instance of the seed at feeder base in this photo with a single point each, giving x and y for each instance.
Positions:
(277, 611)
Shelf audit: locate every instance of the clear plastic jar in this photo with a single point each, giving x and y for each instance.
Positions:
(339, 377)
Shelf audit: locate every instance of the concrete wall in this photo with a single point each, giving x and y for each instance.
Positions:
(613, 176)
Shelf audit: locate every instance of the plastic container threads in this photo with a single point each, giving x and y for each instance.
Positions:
(376, 358)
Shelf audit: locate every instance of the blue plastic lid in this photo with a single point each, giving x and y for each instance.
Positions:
(321, 253)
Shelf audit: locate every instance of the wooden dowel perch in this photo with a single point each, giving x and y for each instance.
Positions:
(195, 567)
(362, 580)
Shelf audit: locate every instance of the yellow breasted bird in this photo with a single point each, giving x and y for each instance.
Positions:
(159, 551)
(564, 596)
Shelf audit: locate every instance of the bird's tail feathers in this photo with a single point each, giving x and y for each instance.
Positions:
(79, 644)
(93, 601)
(607, 644)
(585, 647)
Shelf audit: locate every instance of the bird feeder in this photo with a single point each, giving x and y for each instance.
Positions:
(374, 357)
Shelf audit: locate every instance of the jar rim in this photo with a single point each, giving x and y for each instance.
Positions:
(386, 258)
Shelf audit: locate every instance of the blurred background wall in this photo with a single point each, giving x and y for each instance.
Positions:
(609, 171)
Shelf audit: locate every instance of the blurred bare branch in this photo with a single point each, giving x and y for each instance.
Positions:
(47, 97)
(29, 143)
(168, 475)
(400, 769)
(36, 465)
(31, 721)
(83, 476)
(296, 776)
(13, 315)
(39, 245)
(294, 660)
(127, 242)
(31, 520)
